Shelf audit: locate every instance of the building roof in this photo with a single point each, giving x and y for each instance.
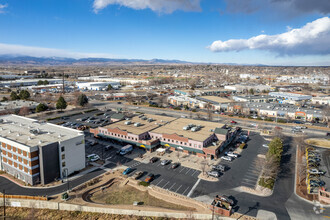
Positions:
(176, 127)
(221, 131)
(118, 116)
(31, 133)
(214, 99)
(145, 125)
(11, 105)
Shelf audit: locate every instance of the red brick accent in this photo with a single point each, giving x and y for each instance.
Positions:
(35, 162)
(15, 157)
(19, 151)
(9, 154)
(175, 137)
(25, 169)
(117, 131)
(15, 164)
(5, 160)
(20, 167)
(25, 161)
(24, 153)
(8, 147)
(185, 151)
(20, 159)
(172, 149)
(3, 145)
(14, 149)
(33, 154)
(34, 171)
(200, 155)
(10, 162)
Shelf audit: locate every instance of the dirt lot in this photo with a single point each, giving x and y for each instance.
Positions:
(127, 195)
(319, 142)
(26, 213)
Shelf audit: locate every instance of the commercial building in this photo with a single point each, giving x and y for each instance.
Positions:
(255, 98)
(321, 100)
(245, 88)
(288, 97)
(124, 81)
(38, 152)
(27, 82)
(201, 138)
(186, 101)
(97, 86)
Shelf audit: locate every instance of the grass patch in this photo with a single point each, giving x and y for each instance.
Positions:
(320, 142)
(91, 110)
(267, 182)
(142, 183)
(127, 195)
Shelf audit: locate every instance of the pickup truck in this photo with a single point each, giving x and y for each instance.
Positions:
(219, 167)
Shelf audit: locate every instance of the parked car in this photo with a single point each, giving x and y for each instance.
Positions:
(227, 158)
(153, 159)
(316, 172)
(314, 159)
(137, 174)
(213, 173)
(317, 183)
(231, 154)
(165, 162)
(93, 157)
(265, 145)
(175, 165)
(93, 142)
(127, 171)
(233, 122)
(219, 167)
(108, 147)
(149, 178)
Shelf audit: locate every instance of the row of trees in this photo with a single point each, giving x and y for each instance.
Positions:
(23, 94)
(43, 82)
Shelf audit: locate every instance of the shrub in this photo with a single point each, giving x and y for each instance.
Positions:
(267, 182)
(259, 118)
(142, 183)
(230, 115)
(268, 119)
(177, 108)
(194, 110)
(281, 121)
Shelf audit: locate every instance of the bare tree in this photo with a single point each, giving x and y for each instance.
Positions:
(162, 99)
(203, 165)
(129, 98)
(178, 155)
(209, 112)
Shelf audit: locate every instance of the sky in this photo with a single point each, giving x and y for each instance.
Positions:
(270, 32)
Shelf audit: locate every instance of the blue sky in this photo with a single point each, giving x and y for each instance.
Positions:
(192, 30)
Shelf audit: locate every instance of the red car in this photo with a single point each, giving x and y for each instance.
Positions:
(233, 122)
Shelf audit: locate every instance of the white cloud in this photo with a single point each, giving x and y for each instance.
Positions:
(313, 38)
(2, 8)
(163, 6)
(12, 49)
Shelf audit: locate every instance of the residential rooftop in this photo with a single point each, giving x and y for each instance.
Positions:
(31, 133)
(146, 122)
(176, 127)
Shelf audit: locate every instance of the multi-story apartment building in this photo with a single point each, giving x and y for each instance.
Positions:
(38, 152)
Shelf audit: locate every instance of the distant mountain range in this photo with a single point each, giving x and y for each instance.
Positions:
(28, 60)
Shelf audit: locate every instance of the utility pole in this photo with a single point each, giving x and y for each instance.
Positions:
(63, 82)
(4, 204)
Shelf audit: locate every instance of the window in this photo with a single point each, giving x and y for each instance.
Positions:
(62, 149)
(63, 164)
(63, 156)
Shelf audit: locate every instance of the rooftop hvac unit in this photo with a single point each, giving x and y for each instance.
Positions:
(150, 120)
(144, 118)
(194, 129)
(137, 124)
(128, 122)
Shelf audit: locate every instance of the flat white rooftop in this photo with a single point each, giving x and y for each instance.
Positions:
(31, 133)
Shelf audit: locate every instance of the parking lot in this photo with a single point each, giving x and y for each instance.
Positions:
(180, 180)
(90, 119)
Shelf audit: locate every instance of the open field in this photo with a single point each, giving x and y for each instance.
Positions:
(27, 213)
(127, 195)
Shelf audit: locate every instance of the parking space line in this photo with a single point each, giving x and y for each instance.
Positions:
(188, 171)
(178, 189)
(165, 184)
(158, 165)
(182, 169)
(185, 191)
(194, 173)
(159, 182)
(171, 186)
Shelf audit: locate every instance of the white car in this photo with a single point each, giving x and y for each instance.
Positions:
(265, 145)
(316, 172)
(231, 154)
(213, 173)
(93, 157)
(227, 158)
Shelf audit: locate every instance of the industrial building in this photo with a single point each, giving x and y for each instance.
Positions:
(38, 152)
(291, 98)
(97, 86)
(255, 98)
(27, 82)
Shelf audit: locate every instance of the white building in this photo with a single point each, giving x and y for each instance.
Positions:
(27, 82)
(288, 97)
(244, 88)
(39, 152)
(125, 81)
(321, 100)
(97, 85)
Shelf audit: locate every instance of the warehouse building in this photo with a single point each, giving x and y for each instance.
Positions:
(38, 152)
(97, 86)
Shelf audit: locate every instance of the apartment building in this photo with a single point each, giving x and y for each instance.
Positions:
(38, 152)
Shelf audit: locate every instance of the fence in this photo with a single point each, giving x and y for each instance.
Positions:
(24, 197)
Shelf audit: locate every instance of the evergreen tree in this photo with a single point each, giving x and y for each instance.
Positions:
(14, 96)
(61, 103)
(24, 94)
(82, 100)
(41, 107)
